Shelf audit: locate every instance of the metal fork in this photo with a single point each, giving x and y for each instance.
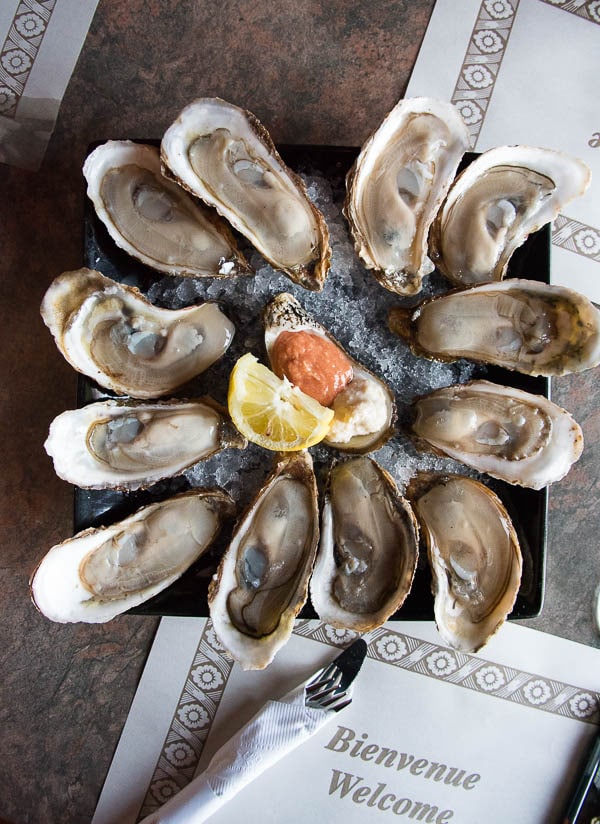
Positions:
(330, 688)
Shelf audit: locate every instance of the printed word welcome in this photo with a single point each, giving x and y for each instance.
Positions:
(350, 785)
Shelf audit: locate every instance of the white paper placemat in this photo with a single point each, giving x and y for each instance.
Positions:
(469, 735)
(526, 71)
(40, 41)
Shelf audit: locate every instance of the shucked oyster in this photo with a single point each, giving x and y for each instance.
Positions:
(262, 580)
(519, 324)
(310, 358)
(474, 556)
(114, 444)
(100, 573)
(396, 186)
(495, 203)
(154, 219)
(111, 333)
(523, 439)
(369, 548)
(225, 156)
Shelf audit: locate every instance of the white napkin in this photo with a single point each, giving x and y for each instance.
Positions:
(279, 727)
(41, 44)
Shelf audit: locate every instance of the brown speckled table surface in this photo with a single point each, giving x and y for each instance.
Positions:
(313, 72)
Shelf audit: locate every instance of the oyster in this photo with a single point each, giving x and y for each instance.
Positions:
(396, 186)
(521, 438)
(474, 556)
(262, 581)
(114, 444)
(154, 219)
(495, 203)
(302, 350)
(225, 156)
(369, 548)
(100, 573)
(111, 333)
(519, 324)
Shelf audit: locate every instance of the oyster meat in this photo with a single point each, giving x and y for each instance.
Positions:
(225, 156)
(300, 349)
(262, 581)
(368, 549)
(518, 324)
(128, 445)
(112, 334)
(396, 186)
(100, 573)
(154, 219)
(521, 438)
(494, 205)
(474, 556)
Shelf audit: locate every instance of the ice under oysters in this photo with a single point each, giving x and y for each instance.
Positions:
(100, 573)
(154, 219)
(129, 445)
(225, 156)
(368, 548)
(474, 556)
(111, 333)
(262, 581)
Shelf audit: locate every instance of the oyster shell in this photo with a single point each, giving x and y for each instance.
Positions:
(474, 556)
(154, 219)
(262, 581)
(495, 203)
(519, 324)
(100, 573)
(111, 333)
(368, 550)
(119, 445)
(225, 156)
(521, 438)
(365, 408)
(396, 186)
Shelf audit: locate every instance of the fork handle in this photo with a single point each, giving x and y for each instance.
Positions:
(279, 727)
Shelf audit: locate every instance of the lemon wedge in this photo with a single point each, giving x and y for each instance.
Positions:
(271, 412)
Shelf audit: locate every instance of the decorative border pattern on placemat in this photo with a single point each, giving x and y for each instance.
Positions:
(195, 711)
(576, 237)
(482, 61)
(211, 667)
(20, 50)
(587, 9)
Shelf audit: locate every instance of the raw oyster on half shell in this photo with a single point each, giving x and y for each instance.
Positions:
(510, 434)
(368, 549)
(262, 581)
(397, 185)
(518, 324)
(302, 350)
(496, 203)
(130, 445)
(225, 156)
(154, 219)
(100, 573)
(474, 556)
(112, 334)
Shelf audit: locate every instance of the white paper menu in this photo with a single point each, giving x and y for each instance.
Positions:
(447, 736)
(526, 71)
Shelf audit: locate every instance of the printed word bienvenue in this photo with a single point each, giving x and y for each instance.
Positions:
(453, 776)
(348, 784)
